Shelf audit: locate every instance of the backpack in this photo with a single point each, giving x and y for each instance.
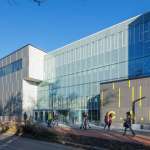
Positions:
(125, 124)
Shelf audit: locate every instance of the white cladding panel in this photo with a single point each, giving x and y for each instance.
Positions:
(16, 94)
(36, 63)
(29, 96)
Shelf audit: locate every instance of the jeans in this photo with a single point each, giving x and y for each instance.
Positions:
(125, 129)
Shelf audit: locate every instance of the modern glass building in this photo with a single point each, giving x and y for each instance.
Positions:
(73, 74)
(69, 80)
(120, 96)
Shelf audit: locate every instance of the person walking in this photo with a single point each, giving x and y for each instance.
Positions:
(49, 122)
(83, 119)
(106, 120)
(87, 121)
(56, 119)
(25, 117)
(109, 120)
(128, 124)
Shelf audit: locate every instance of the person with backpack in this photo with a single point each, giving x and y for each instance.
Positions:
(109, 120)
(128, 124)
(106, 120)
(85, 121)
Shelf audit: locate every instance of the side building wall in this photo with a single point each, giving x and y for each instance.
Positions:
(12, 73)
(19, 80)
(118, 97)
(34, 78)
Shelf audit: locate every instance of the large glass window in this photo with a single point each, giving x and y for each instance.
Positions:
(13, 67)
(146, 25)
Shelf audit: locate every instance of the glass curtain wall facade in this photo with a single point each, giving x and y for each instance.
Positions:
(139, 46)
(73, 73)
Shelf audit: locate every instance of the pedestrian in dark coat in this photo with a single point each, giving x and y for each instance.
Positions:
(106, 120)
(110, 120)
(128, 124)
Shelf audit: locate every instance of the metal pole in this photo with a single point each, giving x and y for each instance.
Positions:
(133, 108)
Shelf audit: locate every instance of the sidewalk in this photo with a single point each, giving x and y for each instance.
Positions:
(118, 129)
(95, 127)
(142, 136)
(96, 137)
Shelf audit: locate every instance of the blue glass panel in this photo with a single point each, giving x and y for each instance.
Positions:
(13, 67)
(139, 46)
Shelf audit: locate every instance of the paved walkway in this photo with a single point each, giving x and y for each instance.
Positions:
(141, 137)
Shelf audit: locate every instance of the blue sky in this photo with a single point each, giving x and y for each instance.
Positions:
(58, 22)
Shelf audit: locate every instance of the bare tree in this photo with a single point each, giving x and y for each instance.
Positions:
(38, 2)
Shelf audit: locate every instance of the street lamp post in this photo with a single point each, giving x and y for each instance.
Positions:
(133, 108)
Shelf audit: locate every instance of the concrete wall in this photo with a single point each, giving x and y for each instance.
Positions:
(119, 96)
(18, 89)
